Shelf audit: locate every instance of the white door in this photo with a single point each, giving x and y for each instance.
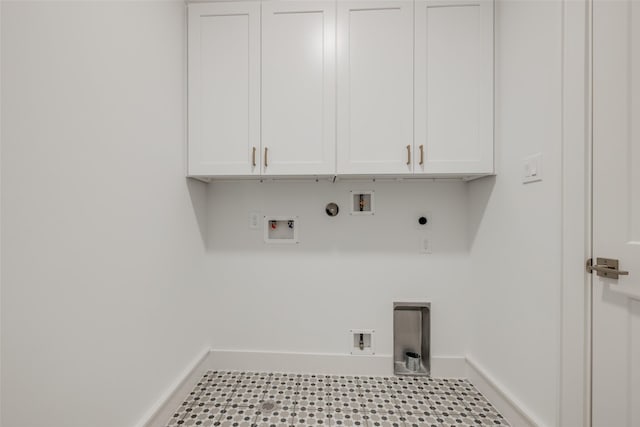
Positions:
(224, 88)
(375, 87)
(298, 87)
(454, 86)
(616, 212)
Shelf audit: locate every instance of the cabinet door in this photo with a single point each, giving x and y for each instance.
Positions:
(375, 87)
(298, 87)
(224, 88)
(454, 86)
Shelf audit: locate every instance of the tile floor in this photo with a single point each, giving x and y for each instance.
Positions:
(276, 399)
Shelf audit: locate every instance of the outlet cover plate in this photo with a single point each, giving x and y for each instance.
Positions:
(254, 220)
(425, 245)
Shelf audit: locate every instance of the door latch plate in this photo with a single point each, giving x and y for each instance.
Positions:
(606, 267)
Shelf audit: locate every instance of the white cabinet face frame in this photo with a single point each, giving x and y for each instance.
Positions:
(375, 87)
(298, 87)
(224, 88)
(454, 86)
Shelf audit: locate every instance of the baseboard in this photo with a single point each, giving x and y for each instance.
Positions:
(512, 409)
(159, 413)
(448, 367)
(324, 363)
(333, 364)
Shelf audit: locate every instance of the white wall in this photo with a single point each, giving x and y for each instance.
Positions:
(515, 228)
(105, 246)
(102, 303)
(345, 272)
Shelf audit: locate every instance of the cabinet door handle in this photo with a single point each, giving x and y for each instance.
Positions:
(266, 161)
(421, 155)
(253, 157)
(408, 154)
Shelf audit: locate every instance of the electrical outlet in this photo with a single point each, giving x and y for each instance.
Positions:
(425, 245)
(254, 220)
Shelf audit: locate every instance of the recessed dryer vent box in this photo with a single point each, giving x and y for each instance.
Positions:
(411, 338)
(281, 229)
(362, 203)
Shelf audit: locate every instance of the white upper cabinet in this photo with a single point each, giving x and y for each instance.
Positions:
(375, 87)
(454, 87)
(224, 88)
(353, 87)
(298, 88)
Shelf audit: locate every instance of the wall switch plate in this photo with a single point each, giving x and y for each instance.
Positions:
(532, 169)
(254, 220)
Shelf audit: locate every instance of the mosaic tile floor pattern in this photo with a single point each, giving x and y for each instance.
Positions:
(250, 399)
